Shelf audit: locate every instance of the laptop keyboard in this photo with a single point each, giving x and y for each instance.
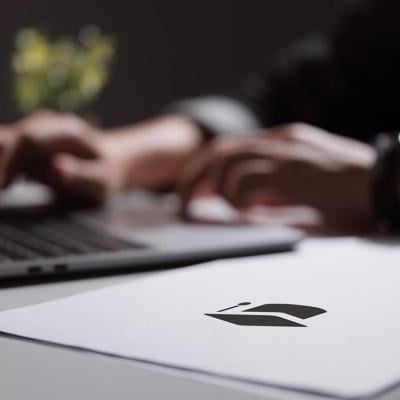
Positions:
(28, 240)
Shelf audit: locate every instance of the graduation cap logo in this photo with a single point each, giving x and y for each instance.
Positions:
(284, 315)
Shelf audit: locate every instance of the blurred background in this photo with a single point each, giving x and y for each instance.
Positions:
(164, 50)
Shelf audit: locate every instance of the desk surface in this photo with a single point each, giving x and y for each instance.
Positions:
(29, 370)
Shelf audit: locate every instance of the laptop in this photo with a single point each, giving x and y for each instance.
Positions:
(134, 230)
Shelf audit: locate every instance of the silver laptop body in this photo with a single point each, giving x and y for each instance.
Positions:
(136, 230)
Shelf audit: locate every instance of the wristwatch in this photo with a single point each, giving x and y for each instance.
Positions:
(386, 182)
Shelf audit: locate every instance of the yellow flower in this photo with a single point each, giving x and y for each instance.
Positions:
(33, 52)
(63, 74)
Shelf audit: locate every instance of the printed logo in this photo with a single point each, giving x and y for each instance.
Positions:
(284, 315)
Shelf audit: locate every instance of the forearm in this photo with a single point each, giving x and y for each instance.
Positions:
(152, 154)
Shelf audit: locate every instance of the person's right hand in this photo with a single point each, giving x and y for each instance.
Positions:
(285, 168)
(83, 163)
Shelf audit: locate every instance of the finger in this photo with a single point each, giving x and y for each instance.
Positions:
(196, 173)
(62, 140)
(214, 163)
(247, 178)
(14, 157)
(86, 180)
(203, 170)
(44, 124)
(3, 144)
(233, 161)
(7, 135)
(26, 148)
(296, 216)
(56, 132)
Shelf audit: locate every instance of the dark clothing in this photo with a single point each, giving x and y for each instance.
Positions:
(345, 79)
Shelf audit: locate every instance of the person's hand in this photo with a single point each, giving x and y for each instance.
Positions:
(287, 166)
(60, 150)
(84, 164)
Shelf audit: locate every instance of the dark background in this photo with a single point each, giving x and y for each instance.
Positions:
(168, 49)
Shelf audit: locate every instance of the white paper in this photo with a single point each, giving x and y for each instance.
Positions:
(352, 350)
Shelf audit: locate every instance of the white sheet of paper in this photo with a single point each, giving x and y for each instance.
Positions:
(352, 350)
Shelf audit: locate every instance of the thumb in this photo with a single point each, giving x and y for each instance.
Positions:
(81, 178)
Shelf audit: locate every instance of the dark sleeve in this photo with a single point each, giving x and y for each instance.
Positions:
(345, 79)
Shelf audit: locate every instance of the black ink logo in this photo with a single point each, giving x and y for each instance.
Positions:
(284, 315)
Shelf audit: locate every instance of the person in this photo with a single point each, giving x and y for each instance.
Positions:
(299, 133)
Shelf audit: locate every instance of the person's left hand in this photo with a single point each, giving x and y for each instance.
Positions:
(289, 165)
(61, 151)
